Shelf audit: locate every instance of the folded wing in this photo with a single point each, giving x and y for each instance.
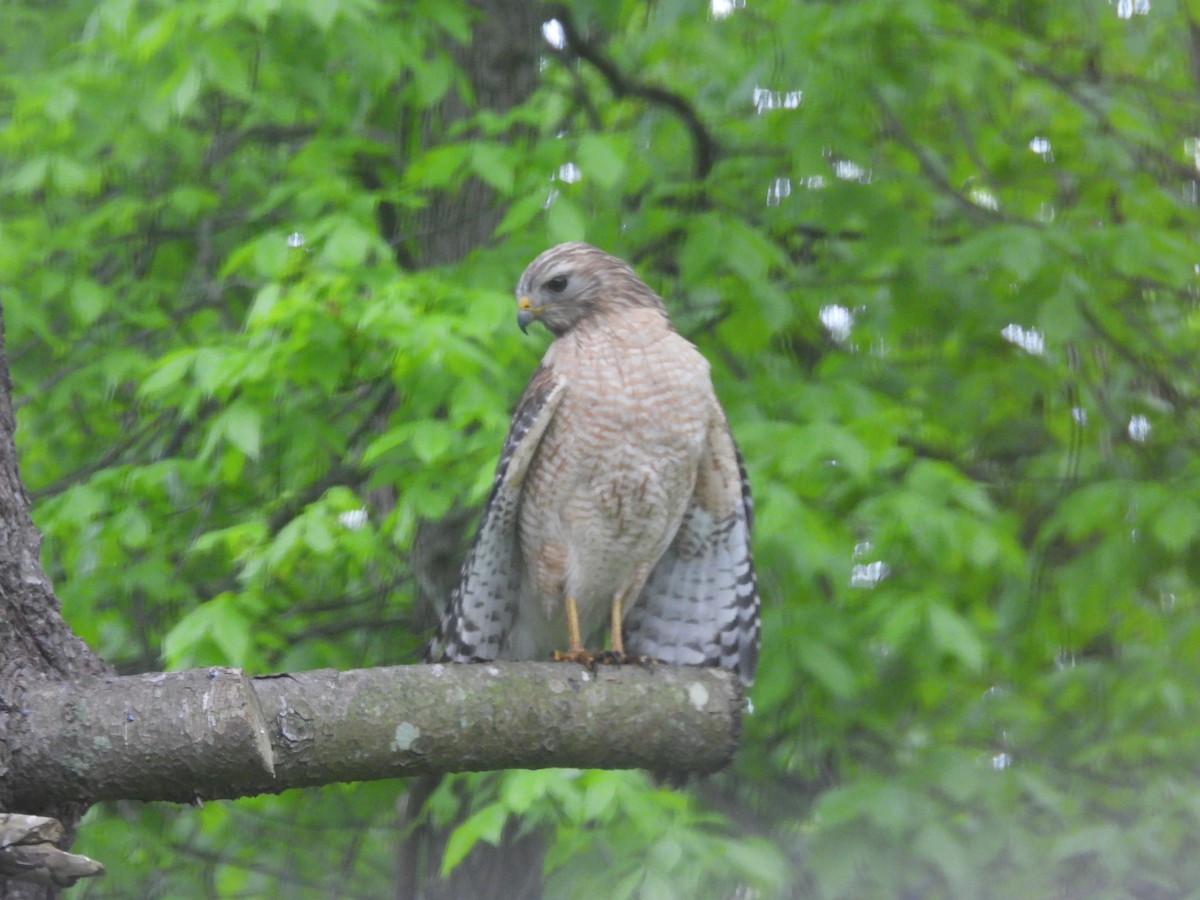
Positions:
(700, 606)
(483, 606)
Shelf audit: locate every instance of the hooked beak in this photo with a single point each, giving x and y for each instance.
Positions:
(525, 314)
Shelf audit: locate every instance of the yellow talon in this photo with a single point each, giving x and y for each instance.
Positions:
(574, 651)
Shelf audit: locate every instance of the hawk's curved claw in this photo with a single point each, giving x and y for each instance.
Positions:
(581, 656)
(641, 660)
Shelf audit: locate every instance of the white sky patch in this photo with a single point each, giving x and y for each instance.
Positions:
(1031, 340)
(777, 190)
(984, 198)
(1041, 146)
(552, 31)
(867, 575)
(765, 99)
(1127, 9)
(838, 321)
(848, 170)
(723, 9)
(1139, 428)
(353, 519)
(1191, 148)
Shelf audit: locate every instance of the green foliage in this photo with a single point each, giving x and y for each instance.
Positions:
(654, 853)
(944, 267)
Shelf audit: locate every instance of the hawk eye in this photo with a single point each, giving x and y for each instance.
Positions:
(558, 283)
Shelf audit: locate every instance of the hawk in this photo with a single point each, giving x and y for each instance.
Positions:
(620, 500)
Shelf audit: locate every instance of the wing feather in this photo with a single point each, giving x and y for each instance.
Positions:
(700, 605)
(483, 606)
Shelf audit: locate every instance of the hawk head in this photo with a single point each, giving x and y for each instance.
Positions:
(572, 282)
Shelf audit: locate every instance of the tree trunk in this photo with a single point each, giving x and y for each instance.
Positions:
(36, 645)
(502, 66)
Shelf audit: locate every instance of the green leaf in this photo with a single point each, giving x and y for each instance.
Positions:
(386, 443)
(347, 245)
(69, 176)
(438, 166)
(520, 213)
(565, 221)
(322, 12)
(522, 788)
(220, 621)
(88, 300)
(946, 853)
(187, 91)
(598, 797)
(241, 424)
(1177, 524)
(264, 303)
(485, 825)
(208, 369)
(828, 668)
(271, 255)
(1098, 840)
(431, 440)
(433, 77)
(29, 175)
(133, 527)
(62, 103)
(600, 159)
(317, 535)
(901, 620)
(82, 503)
(492, 163)
(953, 635)
(169, 373)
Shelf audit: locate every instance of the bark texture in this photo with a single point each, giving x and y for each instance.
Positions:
(36, 646)
(29, 850)
(217, 733)
(501, 67)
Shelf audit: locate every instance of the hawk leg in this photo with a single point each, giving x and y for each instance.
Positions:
(575, 651)
(617, 656)
(618, 642)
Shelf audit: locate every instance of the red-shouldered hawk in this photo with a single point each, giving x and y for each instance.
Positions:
(620, 499)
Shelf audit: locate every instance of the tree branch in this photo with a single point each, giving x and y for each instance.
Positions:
(218, 733)
(706, 148)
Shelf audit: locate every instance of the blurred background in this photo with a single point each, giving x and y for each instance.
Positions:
(257, 261)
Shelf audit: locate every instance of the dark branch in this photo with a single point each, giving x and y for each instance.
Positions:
(706, 148)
